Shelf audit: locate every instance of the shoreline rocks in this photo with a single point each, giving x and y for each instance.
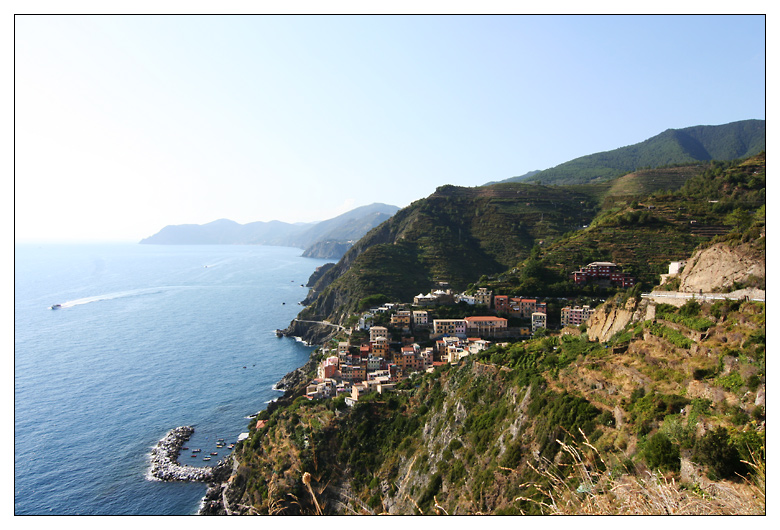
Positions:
(164, 465)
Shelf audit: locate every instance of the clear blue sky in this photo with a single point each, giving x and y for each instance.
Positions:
(126, 124)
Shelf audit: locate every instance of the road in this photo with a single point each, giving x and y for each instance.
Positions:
(705, 297)
(323, 322)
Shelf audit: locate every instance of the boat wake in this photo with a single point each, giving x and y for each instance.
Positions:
(112, 296)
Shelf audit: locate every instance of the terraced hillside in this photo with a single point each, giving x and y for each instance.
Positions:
(454, 236)
(659, 420)
(648, 232)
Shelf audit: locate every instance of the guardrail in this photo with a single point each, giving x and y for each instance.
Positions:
(699, 296)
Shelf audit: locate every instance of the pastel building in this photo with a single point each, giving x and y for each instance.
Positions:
(455, 327)
(538, 321)
(483, 296)
(420, 318)
(574, 316)
(377, 331)
(485, 325)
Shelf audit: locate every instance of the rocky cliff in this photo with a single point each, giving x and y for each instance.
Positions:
(608, 320)
(721, 266)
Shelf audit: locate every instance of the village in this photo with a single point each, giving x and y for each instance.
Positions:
(377, 357)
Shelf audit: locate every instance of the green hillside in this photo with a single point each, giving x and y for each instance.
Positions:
(650, 231)
(454, 236)
(667, 416)
(641, 221)
(674, 146)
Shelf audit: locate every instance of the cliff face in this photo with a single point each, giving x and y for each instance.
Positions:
(720, 266)
(607, 321)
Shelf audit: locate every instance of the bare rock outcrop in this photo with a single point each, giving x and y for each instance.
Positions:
(721, 265)
(608, 321)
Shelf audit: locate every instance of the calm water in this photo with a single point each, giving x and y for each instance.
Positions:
(148, 338)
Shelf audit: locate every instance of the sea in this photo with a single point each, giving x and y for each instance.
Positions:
(147, 338)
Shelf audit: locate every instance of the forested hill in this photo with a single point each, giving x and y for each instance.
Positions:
(674, 146)
(455, 235)
(641, 221)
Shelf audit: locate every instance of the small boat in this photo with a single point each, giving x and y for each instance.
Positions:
(56, 306)
(214, 453)
(207, 458)
(185, 448)
(193, 455)
(196, 450)
(222, 440)
(231, 446)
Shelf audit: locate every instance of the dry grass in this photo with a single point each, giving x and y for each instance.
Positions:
(647, 493)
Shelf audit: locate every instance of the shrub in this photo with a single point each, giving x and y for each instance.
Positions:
(661, 453)
(716, 451)
(731, 382)
(690, 309)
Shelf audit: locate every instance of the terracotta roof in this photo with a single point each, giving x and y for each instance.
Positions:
(483, 319)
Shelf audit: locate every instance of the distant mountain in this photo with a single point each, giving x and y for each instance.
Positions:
(326, 239)
(674, 146)
(226, 232)
(349, 226)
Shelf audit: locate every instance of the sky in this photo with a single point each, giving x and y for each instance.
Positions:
(124, 124)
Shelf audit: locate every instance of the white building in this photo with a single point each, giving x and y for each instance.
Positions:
(676, 267)
(538, 321)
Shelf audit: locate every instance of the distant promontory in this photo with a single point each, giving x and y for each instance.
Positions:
(327, 239)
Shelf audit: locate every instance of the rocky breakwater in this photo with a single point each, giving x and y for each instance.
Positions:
(164, 459)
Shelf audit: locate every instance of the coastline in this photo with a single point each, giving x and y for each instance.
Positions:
(215, 501)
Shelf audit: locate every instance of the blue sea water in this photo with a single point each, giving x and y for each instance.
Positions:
(148, 338)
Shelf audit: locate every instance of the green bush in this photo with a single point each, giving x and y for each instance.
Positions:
(661, 453)
(672, 335)
(690, 309)
(716, 451)
(731, 382)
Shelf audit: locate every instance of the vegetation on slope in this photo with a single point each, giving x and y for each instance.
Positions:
(725, 201)
(459, 235)
(663, 408)
(673, 146)
(454, 236)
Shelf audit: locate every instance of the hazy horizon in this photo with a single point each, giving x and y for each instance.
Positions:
(126, 124)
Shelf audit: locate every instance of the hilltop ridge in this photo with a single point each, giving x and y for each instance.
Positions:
(700, 143)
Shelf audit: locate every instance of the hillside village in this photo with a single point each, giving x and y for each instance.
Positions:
(512, 397)
(377, 363)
